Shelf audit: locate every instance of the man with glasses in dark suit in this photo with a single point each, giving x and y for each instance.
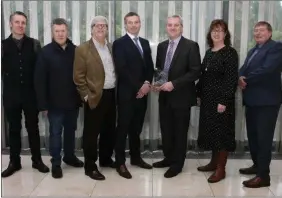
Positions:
(260, 81)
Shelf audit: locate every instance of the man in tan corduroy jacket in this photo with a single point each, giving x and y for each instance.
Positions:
(94, 75)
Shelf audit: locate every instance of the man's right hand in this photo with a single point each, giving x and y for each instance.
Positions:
(242, 83)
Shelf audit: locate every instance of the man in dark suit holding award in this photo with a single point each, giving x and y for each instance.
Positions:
(134, 68)
(260, 81)
(179, 60)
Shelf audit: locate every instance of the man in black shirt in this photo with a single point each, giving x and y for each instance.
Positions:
(57, 95)
(19, 53)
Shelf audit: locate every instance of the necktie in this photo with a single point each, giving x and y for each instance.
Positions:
(253, 55)
(138, 47)
(168, 57)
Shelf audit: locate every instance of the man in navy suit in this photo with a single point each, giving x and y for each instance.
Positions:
(134, 68)
(260, 81)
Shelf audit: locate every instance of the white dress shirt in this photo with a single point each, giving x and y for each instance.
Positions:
(106, 57)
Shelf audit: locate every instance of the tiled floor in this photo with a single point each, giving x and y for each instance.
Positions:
(151, 183)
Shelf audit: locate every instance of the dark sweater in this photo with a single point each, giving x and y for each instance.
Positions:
(53, 80)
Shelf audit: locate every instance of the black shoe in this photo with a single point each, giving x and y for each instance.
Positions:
(248, 171)
(171, 173)
(96, 175)
(122, 171)
(12, 168)
(141, 163)
(40, 166)
(57, 172)
(110, 164)
(75, 162)
(161, 164)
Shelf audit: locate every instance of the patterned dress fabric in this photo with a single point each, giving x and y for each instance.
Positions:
(217, 85)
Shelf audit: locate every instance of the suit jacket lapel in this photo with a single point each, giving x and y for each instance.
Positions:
(95, 53)
(164, 53)
(134, 46)
(260, 50)
(250, 54)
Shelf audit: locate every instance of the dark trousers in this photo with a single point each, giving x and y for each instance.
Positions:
(130, 122)
(60, 120)
(174, 123)
(14, 118)
(99, 121)
(261, 123)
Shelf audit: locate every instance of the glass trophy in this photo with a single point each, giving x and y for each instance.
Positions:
(160, 78)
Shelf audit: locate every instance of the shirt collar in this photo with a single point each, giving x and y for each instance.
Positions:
(131, 35)
(176, 41)
(96, 43)
(68, 43)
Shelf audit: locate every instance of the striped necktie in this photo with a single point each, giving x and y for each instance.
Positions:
(137, 45)
(168, 56)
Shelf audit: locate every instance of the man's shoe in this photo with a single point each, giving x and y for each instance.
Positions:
(12, 168)
(40, 166)
(96, 175)
(74, 161)
(171, 173)
(141, 163)
(161, 164)
(248, 171)
(57, 172)
(122, 171)
(257, 182)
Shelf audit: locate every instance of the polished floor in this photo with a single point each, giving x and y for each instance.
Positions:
(190, 183)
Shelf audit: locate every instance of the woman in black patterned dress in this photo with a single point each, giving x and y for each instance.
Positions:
(216, 95)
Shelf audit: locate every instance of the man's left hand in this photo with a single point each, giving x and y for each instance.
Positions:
(168, 86)
(144, 90)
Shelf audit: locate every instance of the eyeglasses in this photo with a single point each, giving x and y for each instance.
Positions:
(101, 25)
(259, 30)
(216, 31)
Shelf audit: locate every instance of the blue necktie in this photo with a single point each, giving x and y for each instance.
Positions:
(138, 47)
(168, 57)
(253, 55)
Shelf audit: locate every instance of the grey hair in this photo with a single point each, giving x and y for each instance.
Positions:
(59, 21)
(177, 16)
(99, 19)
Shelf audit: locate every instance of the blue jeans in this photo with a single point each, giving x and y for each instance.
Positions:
(59, 120)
